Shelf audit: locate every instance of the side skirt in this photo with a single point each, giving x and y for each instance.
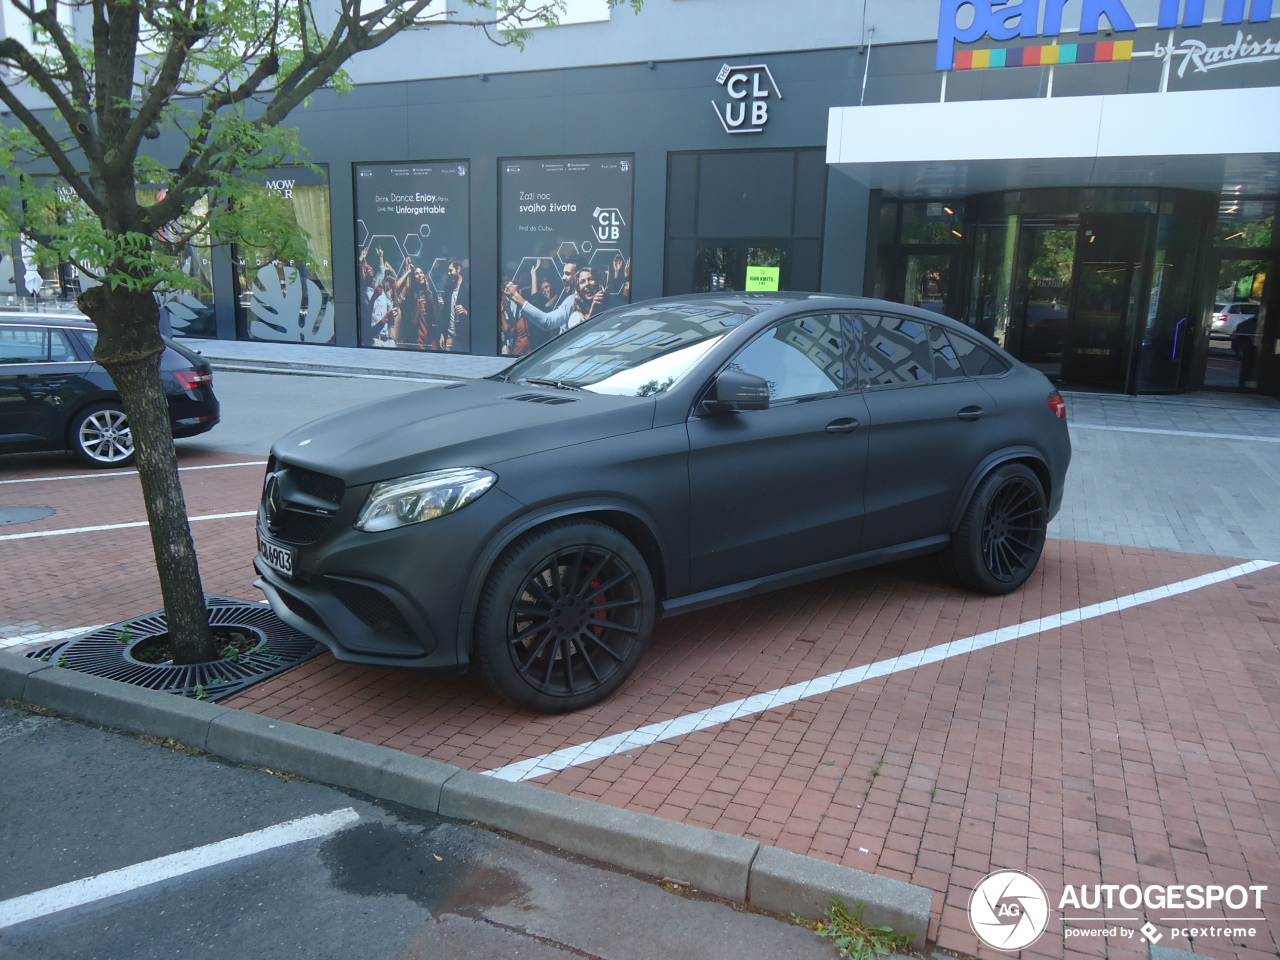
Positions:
(749, 588)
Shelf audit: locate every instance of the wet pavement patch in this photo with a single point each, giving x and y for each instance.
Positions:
(10, 515)
(376, 859)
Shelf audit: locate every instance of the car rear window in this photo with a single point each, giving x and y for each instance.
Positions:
(978, 361)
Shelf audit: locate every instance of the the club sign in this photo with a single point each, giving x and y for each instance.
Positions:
(749, 90)
(966, 21)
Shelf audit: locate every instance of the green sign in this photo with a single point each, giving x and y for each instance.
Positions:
(763, 278)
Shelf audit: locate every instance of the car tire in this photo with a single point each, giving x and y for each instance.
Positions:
(564, 616)
(99, 436)
(1001, 536)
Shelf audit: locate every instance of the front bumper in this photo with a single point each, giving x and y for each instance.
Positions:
(369, 625)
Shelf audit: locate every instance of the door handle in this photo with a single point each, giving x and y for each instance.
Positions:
(843, 425)
(971, 413)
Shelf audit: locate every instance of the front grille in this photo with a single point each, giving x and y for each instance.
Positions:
(300, 528)
(372, 607)
(306, 502)
(317, 484)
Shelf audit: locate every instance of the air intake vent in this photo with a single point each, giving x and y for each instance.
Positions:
(541, 398)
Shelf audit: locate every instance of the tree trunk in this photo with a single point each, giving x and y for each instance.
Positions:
(129, 348)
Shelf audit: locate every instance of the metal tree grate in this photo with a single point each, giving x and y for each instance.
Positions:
(103, 653)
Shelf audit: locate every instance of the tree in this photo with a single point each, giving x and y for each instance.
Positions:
(97, 83)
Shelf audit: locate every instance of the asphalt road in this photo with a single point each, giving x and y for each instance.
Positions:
(392, 883)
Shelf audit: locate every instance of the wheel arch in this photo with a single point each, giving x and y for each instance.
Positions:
(625, 518)
(1027, 455)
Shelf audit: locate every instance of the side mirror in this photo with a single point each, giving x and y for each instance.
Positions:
(735, 390)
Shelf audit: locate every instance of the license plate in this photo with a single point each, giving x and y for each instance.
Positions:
(275, 556)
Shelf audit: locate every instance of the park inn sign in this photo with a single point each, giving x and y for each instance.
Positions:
(967, 21)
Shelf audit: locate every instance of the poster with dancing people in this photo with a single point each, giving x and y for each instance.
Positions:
(413, 248)
(565, 242)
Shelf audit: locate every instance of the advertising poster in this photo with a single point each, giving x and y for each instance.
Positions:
(290, 302)
(413, 247)
(565, 242)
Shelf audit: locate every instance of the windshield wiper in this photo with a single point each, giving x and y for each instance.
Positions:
(547, 382)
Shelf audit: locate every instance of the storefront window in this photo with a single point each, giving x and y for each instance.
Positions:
(290, 301)
(190, 311)
(934, 222)
(1245, 223)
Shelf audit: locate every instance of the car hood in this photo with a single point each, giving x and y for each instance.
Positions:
(480, 423)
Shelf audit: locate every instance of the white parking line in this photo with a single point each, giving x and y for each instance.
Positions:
(117, 526)
(103, 885)
(681, 726)
(134, 473)
(1175, 433)
(49, 636)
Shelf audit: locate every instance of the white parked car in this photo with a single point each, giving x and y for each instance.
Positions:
(1228, 316)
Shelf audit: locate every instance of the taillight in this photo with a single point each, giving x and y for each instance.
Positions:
(1058, 405)
(190, 379)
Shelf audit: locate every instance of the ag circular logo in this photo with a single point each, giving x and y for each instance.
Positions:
(1008, 910)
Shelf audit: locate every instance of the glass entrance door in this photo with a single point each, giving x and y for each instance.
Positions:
(1042, 299)
(1236, 328)
(932, 275)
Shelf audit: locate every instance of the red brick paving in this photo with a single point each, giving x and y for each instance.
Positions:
(1138, 747)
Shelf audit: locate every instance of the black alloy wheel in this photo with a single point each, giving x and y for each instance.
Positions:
(1001, 535)
(565, 616)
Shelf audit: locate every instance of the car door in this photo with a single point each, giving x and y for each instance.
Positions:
(38, 369)
(778, 489)
(928, 427)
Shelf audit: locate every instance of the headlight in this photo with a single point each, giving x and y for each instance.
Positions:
(424, 496)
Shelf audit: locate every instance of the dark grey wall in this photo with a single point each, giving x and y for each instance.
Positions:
(652, 110)
(631, 108)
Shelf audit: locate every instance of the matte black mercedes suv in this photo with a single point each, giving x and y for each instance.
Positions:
(54, 397)
(664, 456)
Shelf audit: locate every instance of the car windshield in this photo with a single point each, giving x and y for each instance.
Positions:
(635, 351)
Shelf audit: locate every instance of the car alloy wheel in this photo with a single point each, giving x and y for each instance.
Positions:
(101, 436)
(1013, 529)
(565, 616)
(1001, 535)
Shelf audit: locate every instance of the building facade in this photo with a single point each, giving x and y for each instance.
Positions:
(1092, 183)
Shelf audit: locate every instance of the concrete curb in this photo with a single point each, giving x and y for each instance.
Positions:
(727, 866)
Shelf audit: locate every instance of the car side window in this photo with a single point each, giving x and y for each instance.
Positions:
(23, 345)
(802, 357)
(60, 349)
(946, 361)
(978, 361)
(895, 350)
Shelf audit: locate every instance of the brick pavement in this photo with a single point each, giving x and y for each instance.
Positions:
(1141, 746)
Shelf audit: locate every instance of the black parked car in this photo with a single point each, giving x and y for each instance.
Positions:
(665, 456)
(54, 397)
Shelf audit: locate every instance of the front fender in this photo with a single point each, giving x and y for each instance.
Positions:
(606, 510)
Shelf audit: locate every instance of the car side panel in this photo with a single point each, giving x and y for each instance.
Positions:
(921, 454)
(775, 489)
